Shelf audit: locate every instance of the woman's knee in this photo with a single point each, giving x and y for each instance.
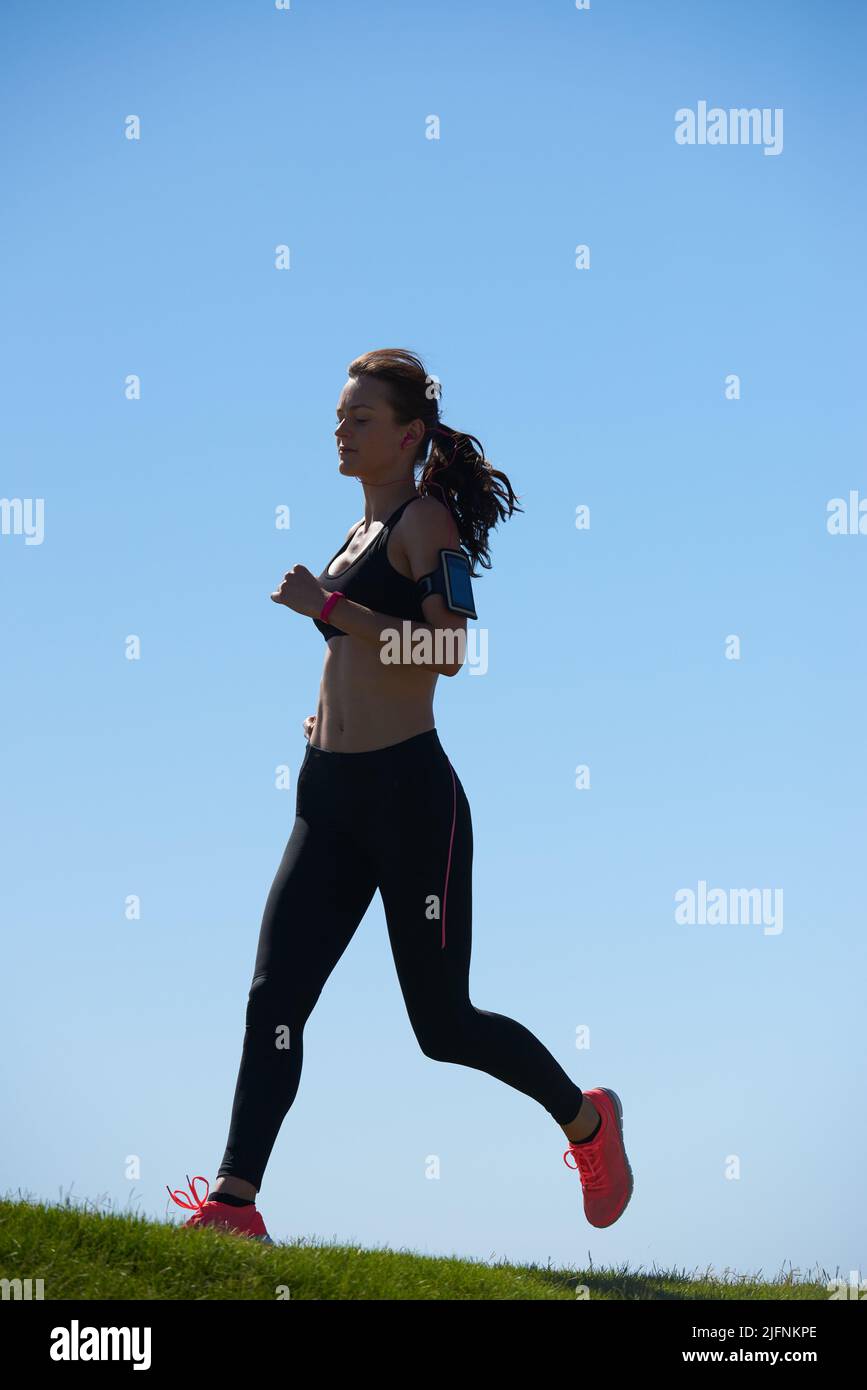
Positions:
(274, 1009)
(446, 1037)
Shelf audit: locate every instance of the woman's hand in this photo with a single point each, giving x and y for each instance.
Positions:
(301, 591)
(307, 726)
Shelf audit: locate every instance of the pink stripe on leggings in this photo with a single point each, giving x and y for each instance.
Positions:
(451, 842)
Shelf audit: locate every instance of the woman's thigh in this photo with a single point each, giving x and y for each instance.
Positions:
(320, 893)
(424, 870)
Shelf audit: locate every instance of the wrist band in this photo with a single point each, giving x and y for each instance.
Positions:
(329, 604)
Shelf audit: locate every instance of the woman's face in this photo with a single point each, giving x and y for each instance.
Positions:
(366, 433)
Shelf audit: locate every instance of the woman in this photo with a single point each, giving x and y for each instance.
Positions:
(379, 805)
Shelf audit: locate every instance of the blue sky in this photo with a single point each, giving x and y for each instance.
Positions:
(606, 646)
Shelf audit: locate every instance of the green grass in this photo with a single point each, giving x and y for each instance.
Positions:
(84, 1252)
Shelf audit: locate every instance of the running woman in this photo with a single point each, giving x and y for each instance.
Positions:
(378, 803)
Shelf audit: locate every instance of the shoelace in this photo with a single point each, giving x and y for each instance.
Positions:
(197, 1203)
(588, 1158)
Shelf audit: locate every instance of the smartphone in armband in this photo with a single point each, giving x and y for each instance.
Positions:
(452, 579)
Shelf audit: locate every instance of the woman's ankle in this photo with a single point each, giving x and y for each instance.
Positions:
(585, 1122)
(235, 1187)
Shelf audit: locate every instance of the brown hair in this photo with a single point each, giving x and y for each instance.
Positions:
(453, 469)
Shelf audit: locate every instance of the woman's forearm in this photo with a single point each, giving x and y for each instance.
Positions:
(396, 638)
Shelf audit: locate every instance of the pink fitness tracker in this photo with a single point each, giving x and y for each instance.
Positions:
(329, 604)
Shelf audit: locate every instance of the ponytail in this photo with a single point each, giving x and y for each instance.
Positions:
(458, 474)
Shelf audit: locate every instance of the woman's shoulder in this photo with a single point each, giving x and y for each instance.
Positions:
(431, 518)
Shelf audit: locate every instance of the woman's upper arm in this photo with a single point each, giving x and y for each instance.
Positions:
(431, 530)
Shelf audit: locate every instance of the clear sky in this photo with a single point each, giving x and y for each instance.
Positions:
(738, 1051)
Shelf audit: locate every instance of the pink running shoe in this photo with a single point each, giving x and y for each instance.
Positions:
(239, 1221)
(606, 1176)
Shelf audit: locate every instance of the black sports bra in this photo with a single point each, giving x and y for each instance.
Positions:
(373, 581)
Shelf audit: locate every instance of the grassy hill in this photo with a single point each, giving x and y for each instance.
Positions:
(83, 1253)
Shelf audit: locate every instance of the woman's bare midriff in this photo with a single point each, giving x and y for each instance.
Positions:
(364, 704)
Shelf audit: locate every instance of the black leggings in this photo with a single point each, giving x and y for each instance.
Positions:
(396, 819)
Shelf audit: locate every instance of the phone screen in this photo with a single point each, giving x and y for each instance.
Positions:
(459, 579)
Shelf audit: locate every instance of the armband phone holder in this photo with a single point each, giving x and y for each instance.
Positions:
(452, 579)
